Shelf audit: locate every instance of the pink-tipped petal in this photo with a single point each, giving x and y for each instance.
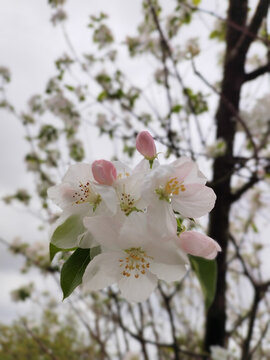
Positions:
(197, 244)
(104, 172)
(145, 145)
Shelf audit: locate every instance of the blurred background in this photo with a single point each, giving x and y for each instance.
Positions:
(97, 81)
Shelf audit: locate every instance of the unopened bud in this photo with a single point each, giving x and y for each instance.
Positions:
(145, 145)
(104, 172)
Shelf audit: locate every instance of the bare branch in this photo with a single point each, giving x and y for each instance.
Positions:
(256, 73)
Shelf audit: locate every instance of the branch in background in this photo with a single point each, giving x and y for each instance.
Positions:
(166, 46)
(230, 107)
(256, 73)
(40, 343)
(230, 23)
(253, 180)
(246, 40)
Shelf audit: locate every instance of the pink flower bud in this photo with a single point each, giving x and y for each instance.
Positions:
(145, 145)
(104, 172)
(197, 244)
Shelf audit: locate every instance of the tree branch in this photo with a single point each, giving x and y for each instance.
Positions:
(246, 40)
(252, 181)
(256, 73)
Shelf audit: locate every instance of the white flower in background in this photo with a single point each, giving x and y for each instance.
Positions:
(59, 16)
(132, 257)
(132, 356)
(37, 250)
(219, 353)
(217, 149)
(64, 109)
(22, 293)
(258, 118)
(5, 73)
(102, 121)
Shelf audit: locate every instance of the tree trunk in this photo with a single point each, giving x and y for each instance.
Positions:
(223, 168)
(238, 41)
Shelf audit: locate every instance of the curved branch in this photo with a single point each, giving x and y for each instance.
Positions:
(256, 73)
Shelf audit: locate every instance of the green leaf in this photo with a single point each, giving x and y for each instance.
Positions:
(176, 108)
(206, 271)
(54, 250)
(196, 2)
(65, 236)
(73, 270)
(103, 95)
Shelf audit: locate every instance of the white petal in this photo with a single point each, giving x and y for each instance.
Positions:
(62, 194)
(77, 173)
(101, 272)
(130, 185)
(86, 240)
(137, 289)
(157, 178)
(108, 195)
(161, 219)
(169, 272)
(133, 232)
(122, 169)
(165, 252)
(105, 229)
(144, 166)
(197, 200)
(168, 262)
(188, 171)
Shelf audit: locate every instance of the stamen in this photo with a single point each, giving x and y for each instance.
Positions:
(135, 262)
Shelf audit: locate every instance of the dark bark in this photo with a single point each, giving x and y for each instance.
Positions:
(237, 45)
(223, 168)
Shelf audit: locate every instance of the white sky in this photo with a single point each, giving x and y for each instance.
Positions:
(29, 44)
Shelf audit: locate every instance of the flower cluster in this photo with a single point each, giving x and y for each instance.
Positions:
(135, 217)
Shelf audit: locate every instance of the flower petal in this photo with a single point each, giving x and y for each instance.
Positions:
(101, 272)
(197, 200)
(139, 289)
(144, 167)
(133, 231)
(86, 240)
(122, 169)
(77, 173)
(188, 171)
(62, 194)
(161, 220)
(108, 195)
(197, 244)
(168, 272)
(105, 229)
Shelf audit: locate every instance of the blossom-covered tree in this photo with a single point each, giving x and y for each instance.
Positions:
(146, 225)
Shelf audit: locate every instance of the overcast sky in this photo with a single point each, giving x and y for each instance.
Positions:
(29, 44)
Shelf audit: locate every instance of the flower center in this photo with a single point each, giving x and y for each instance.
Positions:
(86, 194)
(127, 202)
(171, 188)
(136, 262)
